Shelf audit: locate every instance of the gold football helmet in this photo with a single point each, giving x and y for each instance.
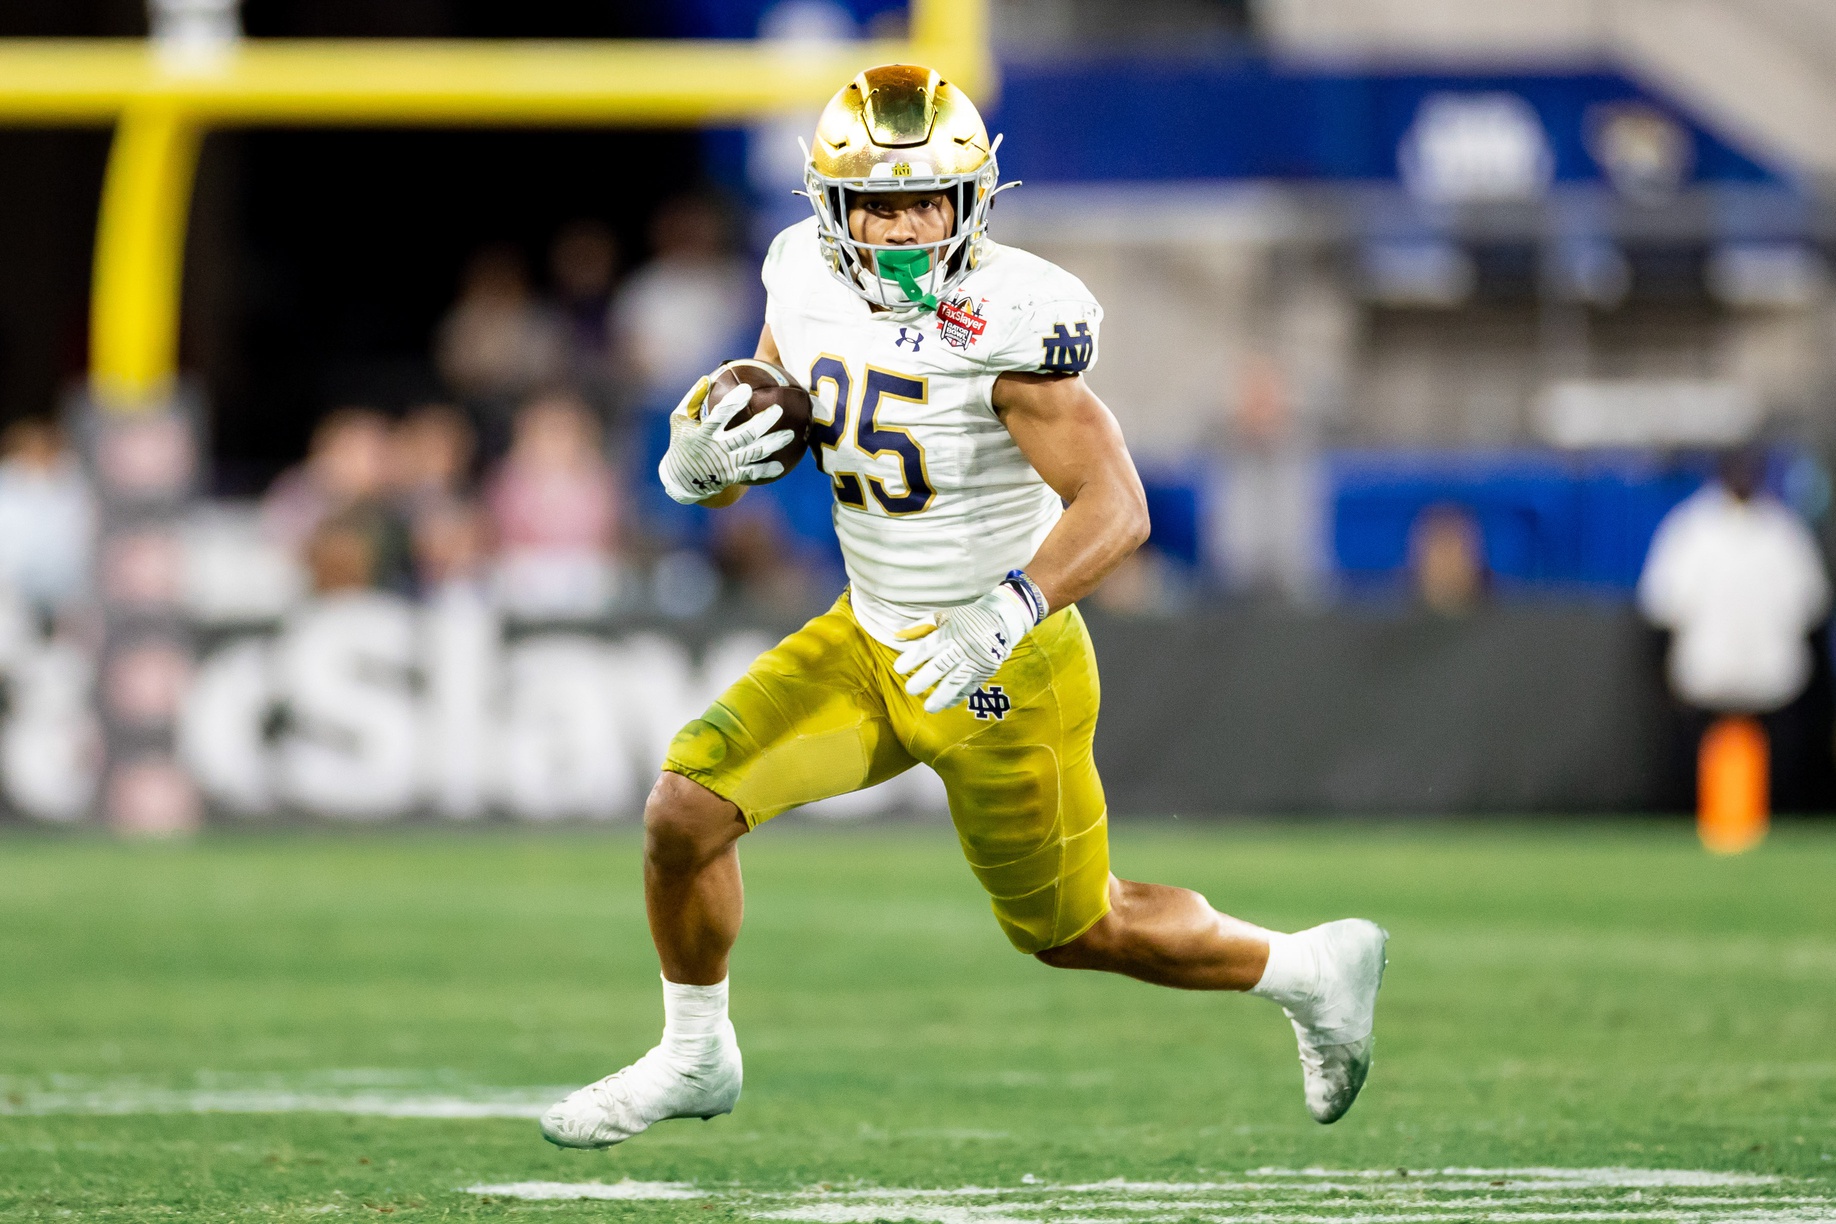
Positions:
(901, 127)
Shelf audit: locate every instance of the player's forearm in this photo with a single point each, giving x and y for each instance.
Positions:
(1102, 525)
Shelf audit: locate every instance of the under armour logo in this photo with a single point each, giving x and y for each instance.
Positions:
(905, 334)
(989, 702)
(1068, 350)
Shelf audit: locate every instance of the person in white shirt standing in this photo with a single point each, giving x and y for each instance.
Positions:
(1736, 576)
(1737, 579)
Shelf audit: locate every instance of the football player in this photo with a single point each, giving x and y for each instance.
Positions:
(981, 489)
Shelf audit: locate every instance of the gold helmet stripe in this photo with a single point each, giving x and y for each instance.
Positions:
(897, 115)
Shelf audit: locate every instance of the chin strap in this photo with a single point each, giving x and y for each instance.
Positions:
(903, 267)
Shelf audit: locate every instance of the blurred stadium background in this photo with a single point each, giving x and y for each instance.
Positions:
(336, 338)
(1420, 319)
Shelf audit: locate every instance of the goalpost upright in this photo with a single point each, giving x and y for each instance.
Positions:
(161, 105)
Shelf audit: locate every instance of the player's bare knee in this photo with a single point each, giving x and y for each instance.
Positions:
(1094, 949)
(1065, 956)
(685, 823)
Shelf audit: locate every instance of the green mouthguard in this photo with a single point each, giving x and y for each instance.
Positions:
(905, 267)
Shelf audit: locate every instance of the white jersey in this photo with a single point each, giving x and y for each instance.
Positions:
(934, 502)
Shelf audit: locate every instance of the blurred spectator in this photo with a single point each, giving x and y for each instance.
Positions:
(1270, 537)
(433, 448)
(1737, 578)
(450, 547)
(341, 554)
(497, 342)
(1447, 560)
(753, 552)
(347, 462)
(555, 509)
(47, 517)
(688, 309)
(431, 453)
(582, 263)
(345, 474)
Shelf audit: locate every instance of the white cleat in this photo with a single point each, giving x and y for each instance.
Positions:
(1334, 1029)
(662, 1084)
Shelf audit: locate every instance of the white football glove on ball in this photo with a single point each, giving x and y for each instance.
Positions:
(705, 457)
(967, 648)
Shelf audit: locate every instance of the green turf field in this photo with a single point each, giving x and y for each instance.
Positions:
(233, 1029)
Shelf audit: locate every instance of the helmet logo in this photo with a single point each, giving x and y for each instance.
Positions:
(902, 169)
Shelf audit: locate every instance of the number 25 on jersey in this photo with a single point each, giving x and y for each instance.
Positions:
(848, 465)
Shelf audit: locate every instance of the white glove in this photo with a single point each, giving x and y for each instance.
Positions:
(705, 457)
(967, 648)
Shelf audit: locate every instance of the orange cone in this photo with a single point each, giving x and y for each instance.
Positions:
(1732, 803)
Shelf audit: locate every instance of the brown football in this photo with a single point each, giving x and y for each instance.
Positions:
(771, 386)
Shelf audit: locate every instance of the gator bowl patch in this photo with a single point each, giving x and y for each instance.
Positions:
(959, 323)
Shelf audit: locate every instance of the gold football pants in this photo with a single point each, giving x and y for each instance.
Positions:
(823, 713)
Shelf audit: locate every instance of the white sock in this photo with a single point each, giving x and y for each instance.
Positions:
(694, 1017)
(1293, 972)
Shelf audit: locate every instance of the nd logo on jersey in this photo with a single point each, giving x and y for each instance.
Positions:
(1068, 350)
(988, 701)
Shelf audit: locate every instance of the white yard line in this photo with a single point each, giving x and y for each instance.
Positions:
(1615, 1176)
(1272, 1196)
(326, 1092)
(627, 1189)
(362, 1105)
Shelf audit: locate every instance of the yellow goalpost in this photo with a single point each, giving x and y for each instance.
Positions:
(161, 107)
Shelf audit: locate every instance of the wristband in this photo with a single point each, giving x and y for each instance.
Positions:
(1029, 592)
